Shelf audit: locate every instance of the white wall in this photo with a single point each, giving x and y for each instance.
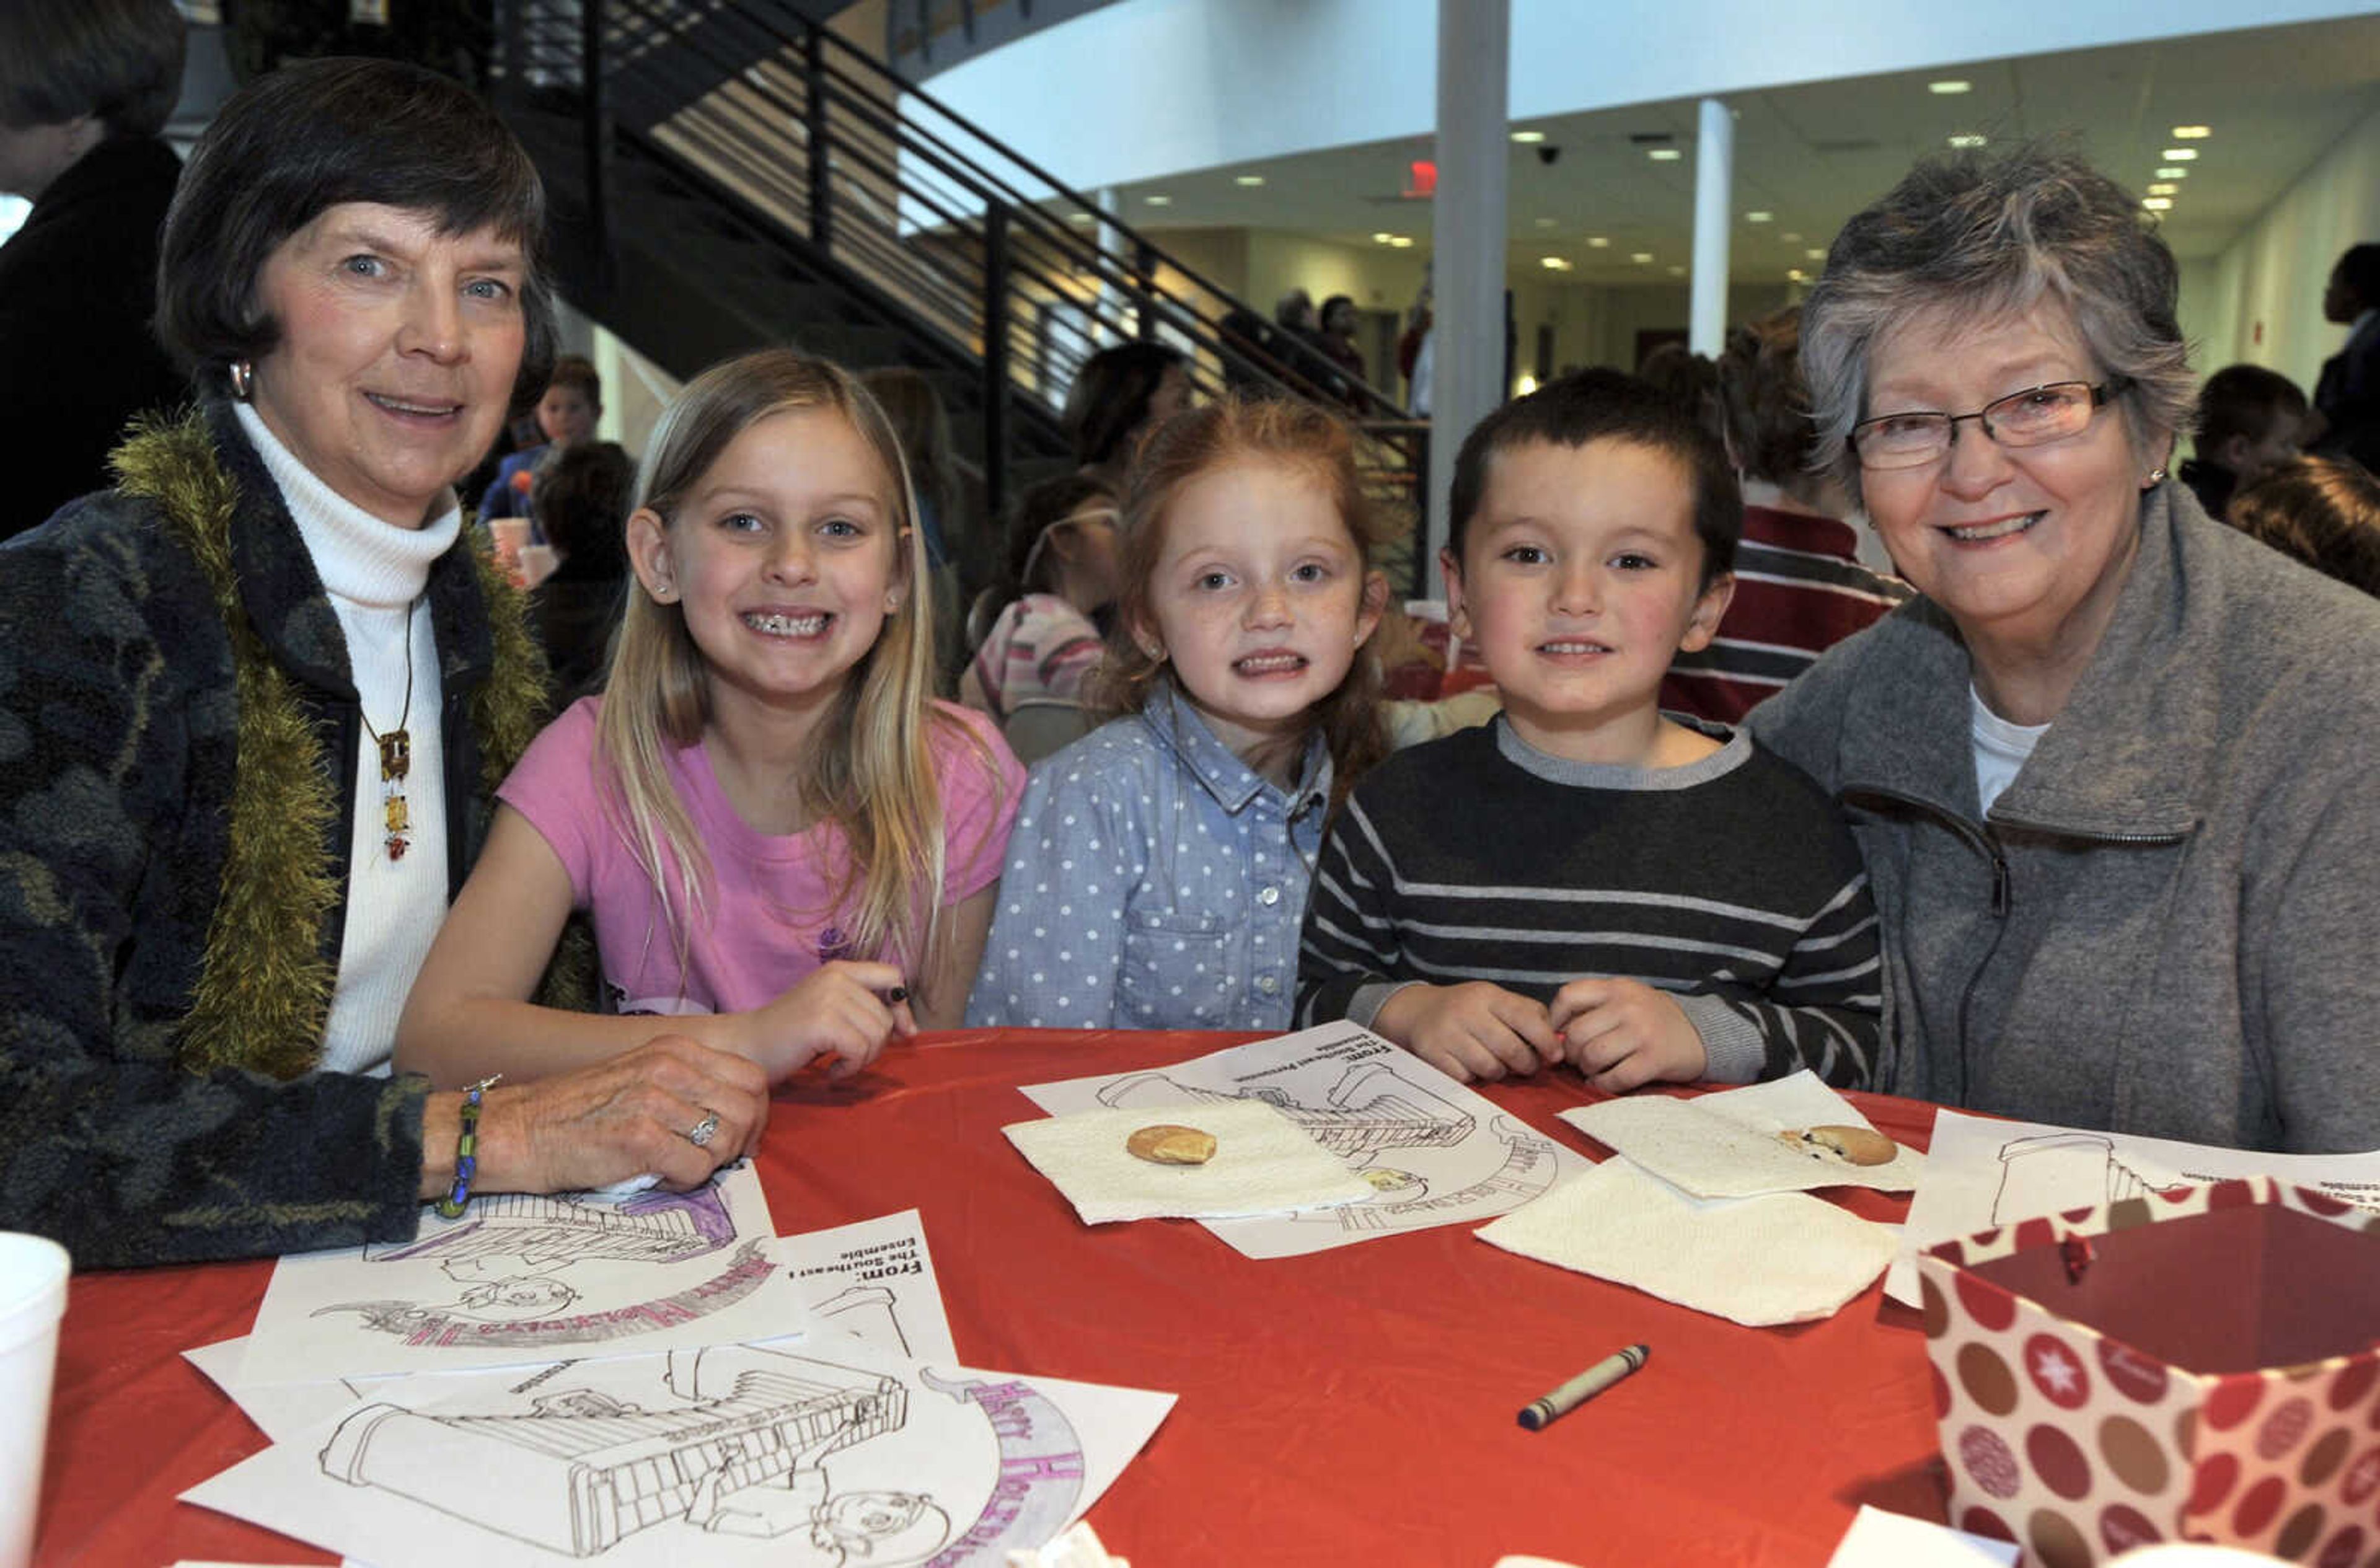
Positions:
(1144, 89)
(2261, 300)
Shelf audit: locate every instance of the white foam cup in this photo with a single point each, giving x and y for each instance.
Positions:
(33, 1298)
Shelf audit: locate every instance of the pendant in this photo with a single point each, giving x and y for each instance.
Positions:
(395, 761)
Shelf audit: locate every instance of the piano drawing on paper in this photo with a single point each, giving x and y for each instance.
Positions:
(733, 1441)
(1408, 1130)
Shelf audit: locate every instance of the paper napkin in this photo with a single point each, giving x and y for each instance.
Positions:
(1264, 1164)
(1782, 1258)
(1726, 1144)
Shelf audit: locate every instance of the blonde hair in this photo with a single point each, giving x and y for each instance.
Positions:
(1282, 434)
(868, 770)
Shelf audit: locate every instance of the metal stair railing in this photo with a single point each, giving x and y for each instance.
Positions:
(976, 244)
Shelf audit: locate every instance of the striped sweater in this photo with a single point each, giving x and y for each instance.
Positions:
(1799, 591)
(1731, 883)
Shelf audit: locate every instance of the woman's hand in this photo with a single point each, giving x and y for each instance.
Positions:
(1623, 1034)
(843, 1010)
(623, 1118)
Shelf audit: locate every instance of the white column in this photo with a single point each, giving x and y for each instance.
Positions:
(1467, 238)
(1714, 192)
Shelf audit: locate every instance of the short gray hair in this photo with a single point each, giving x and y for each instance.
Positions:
(1990, 235)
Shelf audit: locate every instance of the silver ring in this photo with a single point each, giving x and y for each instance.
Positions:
(704, 1131)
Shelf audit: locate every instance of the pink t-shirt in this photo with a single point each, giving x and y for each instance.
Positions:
(769, 922)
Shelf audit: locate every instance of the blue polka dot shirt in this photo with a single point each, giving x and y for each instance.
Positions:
(1154, 881)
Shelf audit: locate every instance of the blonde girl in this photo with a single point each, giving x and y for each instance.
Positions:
(781, 839)
(1160, 865)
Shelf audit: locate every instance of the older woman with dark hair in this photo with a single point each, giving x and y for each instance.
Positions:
(254, 700)
(2111, 770)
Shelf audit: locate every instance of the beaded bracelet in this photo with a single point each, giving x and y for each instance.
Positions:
(466, 1150)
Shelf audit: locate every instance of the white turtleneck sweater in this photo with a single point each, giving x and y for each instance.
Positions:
(375, 573)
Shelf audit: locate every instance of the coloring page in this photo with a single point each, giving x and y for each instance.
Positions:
(822, 1454)
(874, 1279)
(521, 1279)
(1981, 1173)
(1435, 1152)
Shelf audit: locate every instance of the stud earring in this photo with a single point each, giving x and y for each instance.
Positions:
(243, 380)
(2157, 478)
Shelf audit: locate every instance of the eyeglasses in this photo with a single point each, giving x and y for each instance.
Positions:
(2037, 414)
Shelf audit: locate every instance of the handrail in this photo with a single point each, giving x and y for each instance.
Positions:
(802, 136)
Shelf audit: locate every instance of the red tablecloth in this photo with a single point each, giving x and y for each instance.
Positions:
(1352, 1407)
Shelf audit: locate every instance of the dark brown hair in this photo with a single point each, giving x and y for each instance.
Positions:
(2324, 511)
(307, 138)
(1110, 398)
(1607, 404)
(2245, 400)
(118, 61)
(577, 370)
(1764, 406)
(1296, 436)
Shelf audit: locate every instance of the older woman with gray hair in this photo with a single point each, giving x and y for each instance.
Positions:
(253, 701)
(2112, 770)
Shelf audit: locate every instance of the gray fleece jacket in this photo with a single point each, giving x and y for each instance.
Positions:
(2170, 922)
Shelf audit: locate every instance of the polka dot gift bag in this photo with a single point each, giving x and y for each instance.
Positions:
(2198, 1363)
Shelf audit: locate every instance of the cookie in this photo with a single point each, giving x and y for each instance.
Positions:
(1166, 1144)
(1853, 1145)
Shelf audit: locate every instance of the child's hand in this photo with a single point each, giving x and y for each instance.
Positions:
(1623, 1034)
(1473, 1030)
(840, 1011)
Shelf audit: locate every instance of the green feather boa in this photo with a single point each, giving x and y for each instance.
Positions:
(263, 995)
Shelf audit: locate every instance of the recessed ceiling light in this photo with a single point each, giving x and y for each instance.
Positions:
(1798, 275)
(1949, 89)
(1677, 271)
(2165, 187)
(1969, 138)
(1664, 154)
(1554, 263)
(1401, 242)
(1759, 217)
(2173, 171)
(1248, 179)
(2193, 133)
(1078, 217)
(1597, 242)
(1384, 239)
(2157, 204)
(1813, 255)
(2179, 155)
(1528, 138)
(1642, 257)
(1789, 237)
(1159, 201)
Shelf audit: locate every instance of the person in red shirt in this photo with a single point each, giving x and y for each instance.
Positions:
(1798, 585)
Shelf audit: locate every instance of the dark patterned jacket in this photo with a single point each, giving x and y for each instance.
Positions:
(176, 784)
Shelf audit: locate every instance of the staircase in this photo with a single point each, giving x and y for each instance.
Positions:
(730, 173)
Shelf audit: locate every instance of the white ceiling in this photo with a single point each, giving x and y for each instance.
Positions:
(2275, 98)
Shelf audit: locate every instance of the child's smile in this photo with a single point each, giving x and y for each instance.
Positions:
(785, 558)
(1259, 599)
(1581, 579)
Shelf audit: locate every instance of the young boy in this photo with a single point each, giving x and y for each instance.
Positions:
(1585, 880)
(567, 414)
